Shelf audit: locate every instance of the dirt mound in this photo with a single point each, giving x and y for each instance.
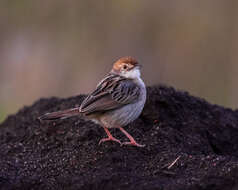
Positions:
(190, 144)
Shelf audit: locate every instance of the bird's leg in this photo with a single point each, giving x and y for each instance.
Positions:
(132, 140)
(109, 138)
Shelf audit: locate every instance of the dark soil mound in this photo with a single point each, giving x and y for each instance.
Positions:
(174, 125)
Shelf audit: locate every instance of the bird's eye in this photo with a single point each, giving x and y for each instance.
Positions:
(125, 67)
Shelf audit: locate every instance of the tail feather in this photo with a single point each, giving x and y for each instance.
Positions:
(60, 114)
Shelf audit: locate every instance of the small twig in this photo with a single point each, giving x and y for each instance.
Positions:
(171, 165)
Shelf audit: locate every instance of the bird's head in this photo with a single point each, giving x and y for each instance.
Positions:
(127, 67)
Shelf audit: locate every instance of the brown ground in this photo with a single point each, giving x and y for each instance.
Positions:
(66, 155)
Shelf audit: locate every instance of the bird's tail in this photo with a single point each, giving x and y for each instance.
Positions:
(60, 114)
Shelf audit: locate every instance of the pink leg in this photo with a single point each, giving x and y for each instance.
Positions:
(109, 138)
(132, 140)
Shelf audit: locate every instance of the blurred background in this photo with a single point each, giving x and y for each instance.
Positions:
(63, 48)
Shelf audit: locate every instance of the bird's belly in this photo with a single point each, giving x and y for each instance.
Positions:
(123, 116)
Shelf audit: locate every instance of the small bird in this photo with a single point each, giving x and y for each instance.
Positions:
(118, 100)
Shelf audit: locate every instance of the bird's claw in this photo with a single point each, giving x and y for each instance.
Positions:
(133, 143)
(109, 139)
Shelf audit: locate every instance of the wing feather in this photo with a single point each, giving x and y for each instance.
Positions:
(111, 93)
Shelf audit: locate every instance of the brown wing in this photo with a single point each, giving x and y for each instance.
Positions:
(111, 93)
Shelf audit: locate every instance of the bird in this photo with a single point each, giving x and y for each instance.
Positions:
(118, 100)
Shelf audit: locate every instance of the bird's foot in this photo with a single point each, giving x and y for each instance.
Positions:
(133, 143)
(109, 139)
